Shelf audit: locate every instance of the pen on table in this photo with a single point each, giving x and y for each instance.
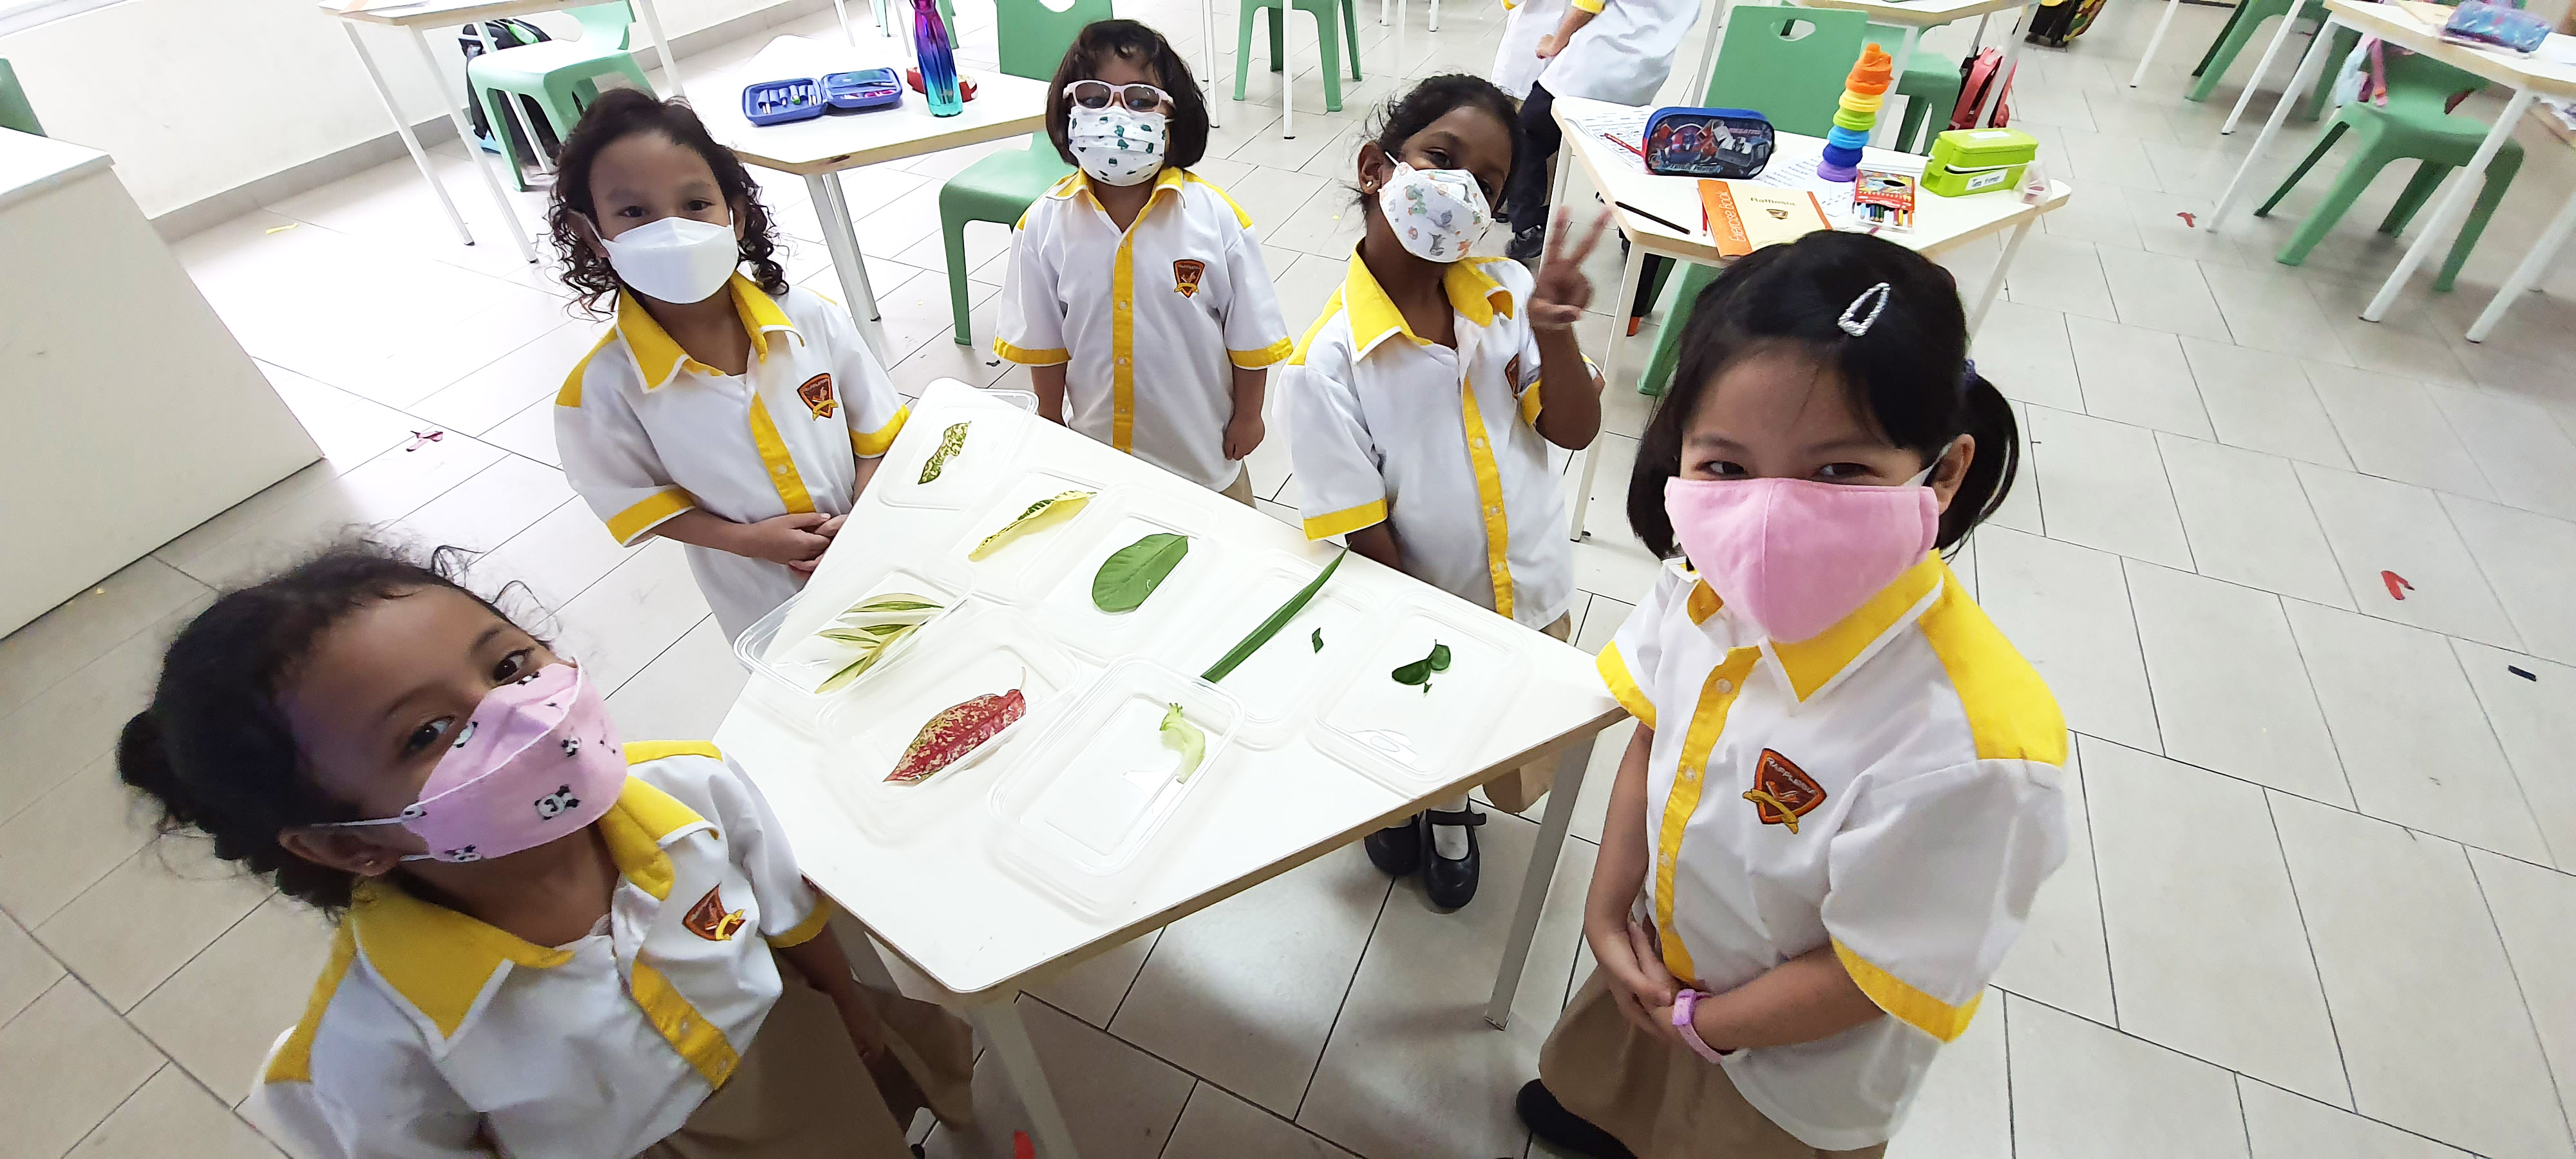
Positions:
(1658, 219)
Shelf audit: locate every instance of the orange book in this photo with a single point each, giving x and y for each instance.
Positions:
(1745, 217)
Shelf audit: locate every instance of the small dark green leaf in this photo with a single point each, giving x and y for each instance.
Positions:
(1132, 573)
(1319, 639)
(1415, 673)
(1439, 657)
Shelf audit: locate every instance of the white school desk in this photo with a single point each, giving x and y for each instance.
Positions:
(820, 148)
(2552, 72)
(945, 904)
(427, 14)
(1914, 16)
(1941, 224)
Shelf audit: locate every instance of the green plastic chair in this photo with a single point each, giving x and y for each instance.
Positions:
(1325, 35)
(1796, 80)
(15, 112)
(2244, 23)
(2412, 125)
(560, 75)
(1000, 187)
(1930, 85)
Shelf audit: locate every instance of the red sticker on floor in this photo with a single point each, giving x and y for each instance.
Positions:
(2395, 582)
(2188, 221)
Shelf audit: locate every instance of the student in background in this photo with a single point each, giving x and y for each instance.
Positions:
(738, 415)
(1431, 390)
(1136, 294)
(1619, 51)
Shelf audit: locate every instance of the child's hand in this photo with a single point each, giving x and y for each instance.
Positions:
(827, 529)
(1561, 292)
(1243, 433)
(1633, 972)
(788, 539)
(1547, 46)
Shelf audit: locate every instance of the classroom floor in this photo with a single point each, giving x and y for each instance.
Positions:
(2315, 906)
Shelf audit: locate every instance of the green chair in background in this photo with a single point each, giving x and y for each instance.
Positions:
(560, 75)
(2412, 125)
(1000, 187)
(15, 112)
(1327, 36)
(1793, 76)
(1930, 86)
(2248, 19)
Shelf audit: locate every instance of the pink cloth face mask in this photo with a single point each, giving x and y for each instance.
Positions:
(1795, 556)
(537, 760)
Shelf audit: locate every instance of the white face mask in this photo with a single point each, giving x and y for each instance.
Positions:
(1116, 146)
(677, 259)
(1438, 214)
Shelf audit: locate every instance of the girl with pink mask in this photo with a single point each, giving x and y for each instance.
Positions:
(552, 941)
(1843, 790)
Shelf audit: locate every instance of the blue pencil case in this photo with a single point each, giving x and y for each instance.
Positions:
(2496, 26)
(1730, 144)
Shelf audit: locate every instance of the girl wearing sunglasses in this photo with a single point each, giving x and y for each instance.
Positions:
(1136, 294)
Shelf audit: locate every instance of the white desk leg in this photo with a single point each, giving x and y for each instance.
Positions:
(841, 240)
(661, 47)
(885, 18)
(2012, 56)
(2453, 206)
(842, 9)
(1708, 45)
(482, 160)
(2261, 66)
(2307, 74)
(1995, 280)
(1000, 1022)
(410, 140)
(2162, 23)
(1207, 33)
(1541, 874)
(1435, 15)
(2527, 275)
(1385, 12)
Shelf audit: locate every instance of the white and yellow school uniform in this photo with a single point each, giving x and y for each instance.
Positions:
(1516, 60)
(1889, 788)
(1386, 427)
(1149, 322)
(1624, 54)
(647, 432)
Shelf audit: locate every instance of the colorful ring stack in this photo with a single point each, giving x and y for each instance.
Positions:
(1863, 93)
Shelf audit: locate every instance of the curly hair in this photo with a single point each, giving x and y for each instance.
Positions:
(616, 115)
(214, 749)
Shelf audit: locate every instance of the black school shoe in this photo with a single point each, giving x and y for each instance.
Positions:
(1527, 245)
(1451, 884)
(1397, 849)
(1563, 1129)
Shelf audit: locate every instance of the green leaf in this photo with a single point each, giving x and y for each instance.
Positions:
(1179, 733)
(1419, 672)
(1319, 639)
(951, 441)
(1243, 649)
(1439, 657)
(1045, 512)
(1131, 573)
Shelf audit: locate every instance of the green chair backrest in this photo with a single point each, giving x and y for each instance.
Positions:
(1034, 35)
(2419, 85)
(1787, 63)
(606, 23)
(15, 112)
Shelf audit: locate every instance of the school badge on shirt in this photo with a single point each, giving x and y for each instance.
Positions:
(1782, 792)
(710, 919)
(817, 393)
(1185, 276)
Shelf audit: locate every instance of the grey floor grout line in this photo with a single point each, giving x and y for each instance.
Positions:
(2316, 967)
(2523, 991)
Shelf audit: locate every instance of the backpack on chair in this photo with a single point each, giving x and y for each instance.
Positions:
(494, 36)
(1978, 71)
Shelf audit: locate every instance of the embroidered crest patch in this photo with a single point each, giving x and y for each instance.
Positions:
(1782, 792)
(710, 919)
(817, 393)
(1185, 276)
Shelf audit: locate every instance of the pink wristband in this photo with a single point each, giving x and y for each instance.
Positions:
(1683, 1004)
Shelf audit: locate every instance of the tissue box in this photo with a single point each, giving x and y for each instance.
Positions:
(1966, 161)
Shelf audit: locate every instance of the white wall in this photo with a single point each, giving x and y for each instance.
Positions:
(211, 95)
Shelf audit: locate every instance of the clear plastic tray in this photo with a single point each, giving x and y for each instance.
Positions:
(1277, 682)
(1205, 579)
(984, 649)
(805, 662)
(1401, 736)
(1023, 569)
(1095, 787)
(991, 454)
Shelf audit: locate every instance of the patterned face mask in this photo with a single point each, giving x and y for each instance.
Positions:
(1438, 214)
(1116, 145)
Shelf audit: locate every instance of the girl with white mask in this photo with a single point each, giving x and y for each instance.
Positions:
(1136, 295)
(1434, 387)
(729, 411)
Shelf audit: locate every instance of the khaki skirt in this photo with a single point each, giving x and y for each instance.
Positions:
(802, 1091)
(1661, 1100)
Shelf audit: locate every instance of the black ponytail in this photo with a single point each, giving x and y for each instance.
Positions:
(1997, 463)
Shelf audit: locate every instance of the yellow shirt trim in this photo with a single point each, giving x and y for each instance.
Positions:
(1703, 602)
(658, 356)
(2010, 711)
(1332, 310)
(806, 930)
(645, 817)
(1027, 357)
(1270, 355)
(1917, 1009)
(1489, 496)
(1814, 662)
(689, 1032)
(1623, 687)
(1347, 520)
(570, 395)
(1530, 406)
(1690, 774)
(626, 526)
(1374, 316)
(293, 1060)
(874, 443)
(1591, 5)
(640, 751)
(774, 456)
(439, 960)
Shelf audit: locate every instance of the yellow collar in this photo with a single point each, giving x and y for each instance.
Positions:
(659, 358)
(441, 961)
(1813, 663)
(1374, 317)
(1079, 185)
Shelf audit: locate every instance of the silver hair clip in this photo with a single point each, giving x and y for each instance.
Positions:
(1853, 321)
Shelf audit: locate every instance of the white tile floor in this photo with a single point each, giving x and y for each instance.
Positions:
(2316, 902)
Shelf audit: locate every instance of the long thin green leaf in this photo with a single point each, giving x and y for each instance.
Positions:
(1243, 651)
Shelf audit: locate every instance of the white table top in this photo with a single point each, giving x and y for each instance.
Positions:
(942, 901)
(1940, 223)
(401, 14)
(30, 164)
(1004, 106)
(2550, 72)
(1918, 13)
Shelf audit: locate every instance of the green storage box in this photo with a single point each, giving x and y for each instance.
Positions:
(1966, 161)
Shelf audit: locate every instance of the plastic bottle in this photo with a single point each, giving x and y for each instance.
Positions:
(938, 64)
